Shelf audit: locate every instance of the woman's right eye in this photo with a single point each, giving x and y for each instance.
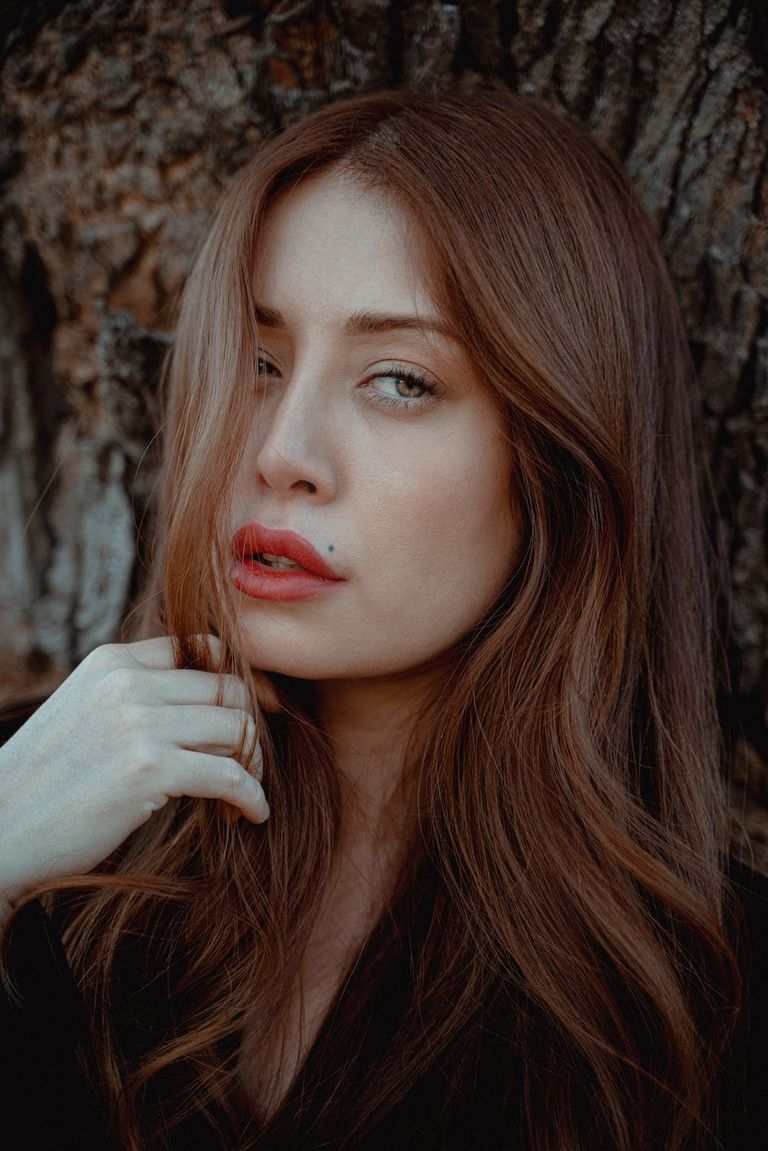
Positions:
(261, 370)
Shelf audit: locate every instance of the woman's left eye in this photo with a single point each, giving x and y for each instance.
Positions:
(410, 389)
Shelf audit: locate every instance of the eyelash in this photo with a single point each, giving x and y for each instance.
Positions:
(412, 377)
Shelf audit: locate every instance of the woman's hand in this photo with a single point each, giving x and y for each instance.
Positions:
(124, 732)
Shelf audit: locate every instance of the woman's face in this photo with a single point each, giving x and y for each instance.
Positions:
(402, 487)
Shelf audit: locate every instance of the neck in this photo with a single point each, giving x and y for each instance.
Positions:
(369, 722)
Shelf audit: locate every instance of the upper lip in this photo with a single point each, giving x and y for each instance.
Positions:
(255, 537)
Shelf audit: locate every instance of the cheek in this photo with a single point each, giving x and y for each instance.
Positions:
(450, 527)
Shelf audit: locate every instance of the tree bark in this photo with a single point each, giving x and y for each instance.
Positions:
(120, 122)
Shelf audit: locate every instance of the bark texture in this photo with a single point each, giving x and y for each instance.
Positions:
(119, 123)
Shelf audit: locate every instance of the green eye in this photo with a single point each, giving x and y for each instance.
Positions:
(426, 388)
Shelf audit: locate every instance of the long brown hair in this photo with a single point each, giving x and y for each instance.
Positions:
(568, 830)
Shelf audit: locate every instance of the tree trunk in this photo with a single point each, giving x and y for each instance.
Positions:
(120, 121)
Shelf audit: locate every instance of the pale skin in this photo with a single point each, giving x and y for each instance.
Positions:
(410, 504)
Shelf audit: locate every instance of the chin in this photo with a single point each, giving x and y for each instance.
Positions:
(262, 659)
(291, 657)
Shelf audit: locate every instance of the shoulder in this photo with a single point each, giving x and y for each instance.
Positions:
(747, 911)
(746, 922)
(743, 1100)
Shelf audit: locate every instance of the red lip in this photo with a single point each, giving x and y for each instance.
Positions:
(254, 537)
(264, 582)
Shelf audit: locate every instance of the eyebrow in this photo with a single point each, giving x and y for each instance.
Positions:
(367, 323)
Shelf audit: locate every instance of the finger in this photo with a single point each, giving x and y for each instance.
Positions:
(214, 777)
(184, 685)
(212, 729)
(157, 652)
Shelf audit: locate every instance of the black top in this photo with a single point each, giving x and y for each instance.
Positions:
(45, 1105)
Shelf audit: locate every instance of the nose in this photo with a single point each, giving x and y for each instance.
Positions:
(295, 442)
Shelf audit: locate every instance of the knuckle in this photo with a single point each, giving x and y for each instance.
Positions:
(103, 656)
(135, 737)
(132, 719)
(142, 758)
(121, 682)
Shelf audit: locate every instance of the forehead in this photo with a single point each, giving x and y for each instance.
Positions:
(329, 242)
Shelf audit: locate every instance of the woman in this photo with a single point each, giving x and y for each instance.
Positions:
(431, 564)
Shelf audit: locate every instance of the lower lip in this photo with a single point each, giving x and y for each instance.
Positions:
(262, 582)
